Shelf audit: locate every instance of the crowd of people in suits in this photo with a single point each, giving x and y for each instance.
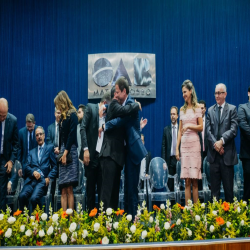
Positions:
(107, 136)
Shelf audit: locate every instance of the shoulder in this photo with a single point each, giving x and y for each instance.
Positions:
(50, 146)
(51, 125)
(12, 117)
(242, 106)
(211, 108)
(33, 151)
(22, 130)
(230, 106)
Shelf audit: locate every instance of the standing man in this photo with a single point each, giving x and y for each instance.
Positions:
(8, 148)
(27, 141)
(169, 140)
(80, 114)
(221, 129)
(91, 146)
(244, 124)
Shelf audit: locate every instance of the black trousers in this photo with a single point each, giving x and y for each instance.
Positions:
(3, 183)
(172, 171)
(246, 173)
(94, 178)
(221, 172)
(111, 175)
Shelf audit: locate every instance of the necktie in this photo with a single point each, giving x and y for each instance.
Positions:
(174, 140)
(30, 142)
(56, 142)
(40, 154)
(0, 136)
(219, 111)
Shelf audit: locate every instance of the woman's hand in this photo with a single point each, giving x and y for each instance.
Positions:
(64, 159)
(177, 154)
(184, 129)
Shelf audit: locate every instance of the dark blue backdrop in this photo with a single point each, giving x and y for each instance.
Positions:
(45, 45)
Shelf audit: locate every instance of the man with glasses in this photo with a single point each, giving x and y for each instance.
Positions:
(41, 167)
(221, 129)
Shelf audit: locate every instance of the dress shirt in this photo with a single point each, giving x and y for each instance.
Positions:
(39, 148)
(176, 129)
(203, 132)
(100, 140)
(56, 128)
(3, 126)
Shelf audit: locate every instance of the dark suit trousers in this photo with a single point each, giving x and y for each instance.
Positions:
(246, 173)
(33, 192)
(111, 175)
(172, 171)
(3, 183)
(131, 172)
(94, 178)
(221, 172)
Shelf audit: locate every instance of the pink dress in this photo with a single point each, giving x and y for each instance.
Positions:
(190, 146)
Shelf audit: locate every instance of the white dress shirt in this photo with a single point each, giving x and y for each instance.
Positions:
(221, 112)
(176, 129)
(3, 126)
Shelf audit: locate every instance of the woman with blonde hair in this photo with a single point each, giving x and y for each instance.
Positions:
(190, 124)
(68, 156)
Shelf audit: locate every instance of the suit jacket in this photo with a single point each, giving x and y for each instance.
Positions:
(228, 128)
(23, 145)
(244, 124)
(48, 164)
(79, 141)
(51, 134)
(148, 160)
(10, 144)
(113, 141)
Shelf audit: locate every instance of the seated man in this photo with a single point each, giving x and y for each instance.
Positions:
(41, 167)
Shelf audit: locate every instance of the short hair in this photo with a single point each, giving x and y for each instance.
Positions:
(249, 89)
(40, 128)
(222, 85)
(30, 118)
(202, 102)
(112, 92)
(122, 83)
(81, 106)
(106, 97)
(174, 107)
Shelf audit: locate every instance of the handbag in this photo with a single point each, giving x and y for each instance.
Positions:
(68, 158)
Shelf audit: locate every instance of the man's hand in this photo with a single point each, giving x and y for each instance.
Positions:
(86, 157)
(20, 172)
(143, 123)
(37, 175)
(47, 181)
(102, 110)
(100, 131)
(9, 166)
(56, 150)
(218, 145)
(139, 105)
(9, 189)
(221, 151)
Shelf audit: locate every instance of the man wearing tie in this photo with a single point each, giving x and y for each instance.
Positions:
(80, 114)
(53, 132)
(41, 167)
(168, 146)
(221, 129)
(8, 148)
(27, 141)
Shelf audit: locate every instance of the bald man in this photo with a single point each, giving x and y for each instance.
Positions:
(8, 148)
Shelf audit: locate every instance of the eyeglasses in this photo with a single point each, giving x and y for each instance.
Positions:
(39, 134)
(218, 93)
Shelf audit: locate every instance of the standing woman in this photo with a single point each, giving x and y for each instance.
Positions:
(190, 124)
(68, 172)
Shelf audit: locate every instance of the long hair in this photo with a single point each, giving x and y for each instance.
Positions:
(189, 85)
(64, 104)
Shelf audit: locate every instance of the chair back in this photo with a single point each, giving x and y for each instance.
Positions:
(206, 170)
(180, 181)
(158, 173)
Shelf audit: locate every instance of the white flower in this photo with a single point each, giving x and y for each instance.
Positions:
(244, 203)
(138, 213)
(215, 213)
(211, 229)
(32, 217)
(74, 235)
(162, 206)
(168, 203)
(133, 229)
(115, 225)
(157, 222)
(242, 223)
(84, 233)
(203, 205)
(64, 238)
(41, 233)
(109, 211)
(144, 234)
(22, 228)
(69, 211)
(72, 227)
(178, 222)
(50, 230)
(128, 238)
(190, 203)
(1, 216)
(129, 217)
(228, 224)
(8, 233)
(96, 227)
(166, 225)
(151, 219)
(44, 216)
(105, 240)
(55, 217)
(11, 220)
(28, 233)
(238, 209)
(197, 218)
(189, 232)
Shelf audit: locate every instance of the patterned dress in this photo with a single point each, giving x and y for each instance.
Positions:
(190, 146)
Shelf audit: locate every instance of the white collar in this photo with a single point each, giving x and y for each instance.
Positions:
(125, 101)
(222, 105)
(40, 147)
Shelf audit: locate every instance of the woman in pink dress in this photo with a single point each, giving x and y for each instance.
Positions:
(190, 124)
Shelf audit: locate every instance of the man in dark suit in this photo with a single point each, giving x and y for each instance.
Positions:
(244, 124)
(221, 129)
(27, 141)
(112, 155)
(53, 132)
(8, 148)
(80, 114)
(41, 167)
(168, 147)
(91, 146)
(135, 150)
